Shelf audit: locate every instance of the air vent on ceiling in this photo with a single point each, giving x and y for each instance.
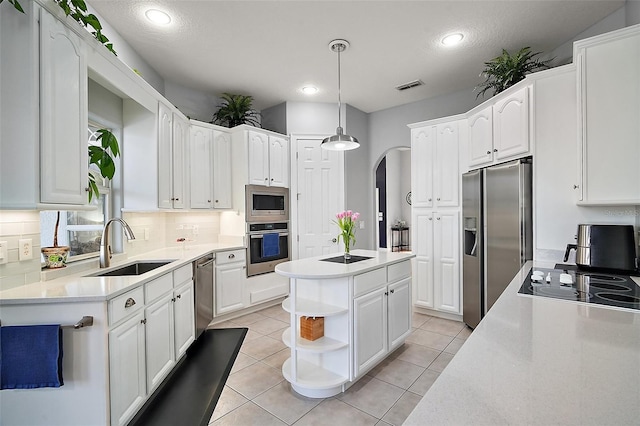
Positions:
(410, 85)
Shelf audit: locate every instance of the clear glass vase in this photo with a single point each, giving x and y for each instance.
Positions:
(347, 253)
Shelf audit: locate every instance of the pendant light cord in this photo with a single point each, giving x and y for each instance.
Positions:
(339, 48)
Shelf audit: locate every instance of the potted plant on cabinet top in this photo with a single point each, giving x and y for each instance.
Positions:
(236, 110)
(103, 157)
(506, 70)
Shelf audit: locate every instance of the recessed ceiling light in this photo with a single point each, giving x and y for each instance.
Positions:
(157, 16)
(452, 39)
(309, 90)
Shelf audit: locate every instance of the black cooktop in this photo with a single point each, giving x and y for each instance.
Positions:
(588, 287)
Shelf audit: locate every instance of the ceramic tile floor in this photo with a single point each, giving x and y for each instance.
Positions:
(257, 394)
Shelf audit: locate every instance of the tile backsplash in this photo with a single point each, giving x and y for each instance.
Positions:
(153, 230)
(14, 226)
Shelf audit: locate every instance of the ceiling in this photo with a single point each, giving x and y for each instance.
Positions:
(271, 49)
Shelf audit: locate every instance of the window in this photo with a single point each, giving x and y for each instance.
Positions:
(80, 230)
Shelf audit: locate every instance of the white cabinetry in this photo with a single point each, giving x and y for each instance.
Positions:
(152, 329)
(63, 114)
(437, 263)
(268, 159)
(375, 304)
(230, 281)
(127, 365)
(608, 113)
(499, 128)
(435, 181)
(173, 133)
(435, 213)
(210, 165)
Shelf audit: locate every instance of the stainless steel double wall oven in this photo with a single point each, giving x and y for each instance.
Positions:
(267, 218)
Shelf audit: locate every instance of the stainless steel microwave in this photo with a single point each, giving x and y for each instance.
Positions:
(266, 203)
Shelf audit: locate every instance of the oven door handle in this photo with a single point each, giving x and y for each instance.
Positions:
(252, 236)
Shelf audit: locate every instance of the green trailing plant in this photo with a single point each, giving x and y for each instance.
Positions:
(506, 70)
(236, 110)
(103, 156)
(77, 9)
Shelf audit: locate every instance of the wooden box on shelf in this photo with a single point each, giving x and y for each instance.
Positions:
(311, 328)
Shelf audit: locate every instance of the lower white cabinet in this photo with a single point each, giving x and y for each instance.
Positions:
(159, 337)
(127, 369)
(145, 344)
(382, 321)
(230, 281)
(437, 262)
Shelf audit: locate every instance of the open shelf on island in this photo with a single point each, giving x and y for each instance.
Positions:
(311, 308)
(323, 344)
(312, 380)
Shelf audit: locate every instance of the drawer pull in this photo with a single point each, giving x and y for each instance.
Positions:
(232, 256)
(129, 303)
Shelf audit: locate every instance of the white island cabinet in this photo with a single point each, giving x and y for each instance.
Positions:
(366, 306)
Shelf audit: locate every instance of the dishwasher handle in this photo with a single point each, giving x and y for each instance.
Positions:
(202, 265)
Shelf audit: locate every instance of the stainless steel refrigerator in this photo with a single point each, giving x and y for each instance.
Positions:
(497, 233)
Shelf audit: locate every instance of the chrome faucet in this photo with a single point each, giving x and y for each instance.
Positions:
(105, 248)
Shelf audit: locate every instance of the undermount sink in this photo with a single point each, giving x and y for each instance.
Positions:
(136, 268)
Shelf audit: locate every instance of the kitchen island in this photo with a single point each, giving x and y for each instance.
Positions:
(541, 361)
(365, 311)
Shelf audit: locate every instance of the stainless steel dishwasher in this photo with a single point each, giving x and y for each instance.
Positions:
(204, 275)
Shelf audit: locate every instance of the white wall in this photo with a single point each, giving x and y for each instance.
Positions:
(275, 118)
(632, 12)
(192, 103)
(15, 225)
(128, 55)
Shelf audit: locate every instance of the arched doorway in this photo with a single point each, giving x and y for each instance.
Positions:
(392, 188)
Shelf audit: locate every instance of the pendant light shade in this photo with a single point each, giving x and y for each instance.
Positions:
(339, 141)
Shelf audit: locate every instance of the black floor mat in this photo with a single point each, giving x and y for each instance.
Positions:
(189, 396)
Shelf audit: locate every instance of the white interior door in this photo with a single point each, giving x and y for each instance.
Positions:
(317, 195)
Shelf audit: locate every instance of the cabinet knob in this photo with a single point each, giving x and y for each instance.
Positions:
(217, 201)
(172, 199)
(391, 291)
(334, 240)
(173, 299)
(438, 218)
(208, 201)
(143, 321)
(232, 256)
(87, 189)
(438, 199)
(129, 302)
(495, 149)
(488, 152)
(576, 186)
(429, 199)
(272, 179)
(177, 199)
(386, 293)
(266, 178)
(179, 296)
(430, 218)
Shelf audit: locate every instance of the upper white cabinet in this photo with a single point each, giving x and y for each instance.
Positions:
(210, 167)
(268, 159)
(500, 131)
(222, 196)
(173, 134)
(435, 181)
(608, 113)
(63, 114)
(481, 137)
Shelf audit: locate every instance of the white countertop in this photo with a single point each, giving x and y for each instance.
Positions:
(541, 361)
(81, 288)
(314, 267)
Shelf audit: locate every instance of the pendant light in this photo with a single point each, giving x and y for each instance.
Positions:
(339, 141)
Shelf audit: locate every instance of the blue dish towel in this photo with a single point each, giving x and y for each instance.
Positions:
(270, 245)
(31, 357)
